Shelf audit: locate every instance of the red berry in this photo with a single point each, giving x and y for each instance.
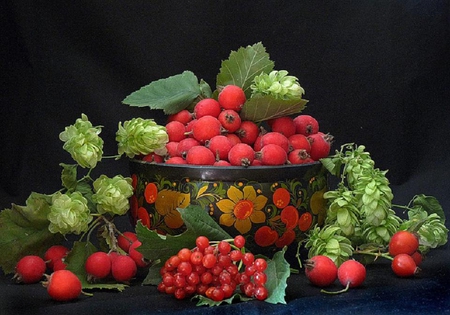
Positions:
(200, 155)
(137, 256)
(55, 253)
(98, 265)
(232, 97)
(175, 131)
(123, 268)
(183, 116)
(320, 145)
(176, 160)
(202, 242)
(417, 256)
(171, 148)
(222, 163)
(184, 146)
(63, 285)
(207, 106)
(404, 265)
(248, 132)
(29, 269)
(239, 241)
(153, 158)
(321, 271)
(234, 138)
(205, 128)
(306, 125)
(125, 239)
(59, 265)
(403, 242)
(219, 146)
(275, 138)
(299, 141)
(241, 154)
(284, 125)
(351, 273)
(272, 154)
(230, 120)
(299, 156)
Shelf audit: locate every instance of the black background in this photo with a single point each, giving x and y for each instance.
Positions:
(376, 73)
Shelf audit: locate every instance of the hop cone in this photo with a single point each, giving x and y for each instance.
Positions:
(141, 136)
(81, 140)
(278, 84)
(111, 194)
(69, 213)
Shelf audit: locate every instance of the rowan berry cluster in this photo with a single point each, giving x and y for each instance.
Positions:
(215, 270)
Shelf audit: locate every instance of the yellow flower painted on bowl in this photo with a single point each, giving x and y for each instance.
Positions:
(166, 205)
(242, 208)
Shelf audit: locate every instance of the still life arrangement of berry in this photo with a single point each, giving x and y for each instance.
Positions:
(252, 119)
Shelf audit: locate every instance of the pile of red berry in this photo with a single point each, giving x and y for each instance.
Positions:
(215, 270)
(215, 134)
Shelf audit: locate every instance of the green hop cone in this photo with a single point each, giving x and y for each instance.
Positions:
(69, 213)
(141, 136)
(278, 84)
(81, 140)
(111, 194)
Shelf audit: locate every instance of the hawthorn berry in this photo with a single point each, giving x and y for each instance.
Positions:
(63, 285)
(54, 254)
(232, 97)
(98, 266)
(306, 125)
(321, 271)
(241, 154)
(123, 268)
(29, 269)
(125, 239)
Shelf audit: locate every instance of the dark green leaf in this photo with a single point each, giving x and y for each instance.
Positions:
(18, 239)
(266, 107)
(278, 271)
(243, 65)
(171, 94)
(204, 301)
(430, 204)
(69, 175)
(75, 262)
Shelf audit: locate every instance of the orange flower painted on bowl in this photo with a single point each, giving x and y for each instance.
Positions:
(242, 208)
(166, 205)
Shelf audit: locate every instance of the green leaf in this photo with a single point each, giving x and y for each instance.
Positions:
(278, 271)
(243, 65)
(158, 248)
(204, 301)
(75, 262)
(266, 107)
(19, 237)
(34, 214)
(69, 175)
(430, 204)
(171, 94)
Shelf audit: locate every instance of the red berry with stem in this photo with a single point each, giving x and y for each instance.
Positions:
(219, 146)
(306, 125)
(299, 141)
(55, 253)
(320, 145)
(230, 120)
(239, 241)
(403, 242)
(351, 273)
(284, 125)
(241, 154)
(184, 146)
(321, 271)
(172, 149)
(248, 132)
(29, 269)
(123, 268)
(98, 266)
(205, 128)
(275, 138)
(63, 286)
(404, 265)
(125, 239)
(207, 106)
(272, 154)
(137, 256)
(299, 156)
(200, 155)
(232, 97)
(176, 131)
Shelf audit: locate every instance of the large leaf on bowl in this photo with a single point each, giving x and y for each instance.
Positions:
(243, 65)
(171, 94)
(259, 108)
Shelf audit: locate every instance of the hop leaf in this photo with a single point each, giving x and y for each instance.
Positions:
(81, 140)
(69, 213)
(141, 136)
(111, 194)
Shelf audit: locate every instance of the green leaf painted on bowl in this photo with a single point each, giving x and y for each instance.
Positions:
(260, 108)
(243, 65)
(171, 94)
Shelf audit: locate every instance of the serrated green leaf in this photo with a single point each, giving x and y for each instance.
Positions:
(430, 204)
(69, 175)
(171, 94)
(278, 271)
(75, 262)
(243, 65)
(204, 301)
(18, 240)
(266, 107)
(34, 213)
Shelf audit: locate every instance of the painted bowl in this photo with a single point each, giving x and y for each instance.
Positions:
(271, 206)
